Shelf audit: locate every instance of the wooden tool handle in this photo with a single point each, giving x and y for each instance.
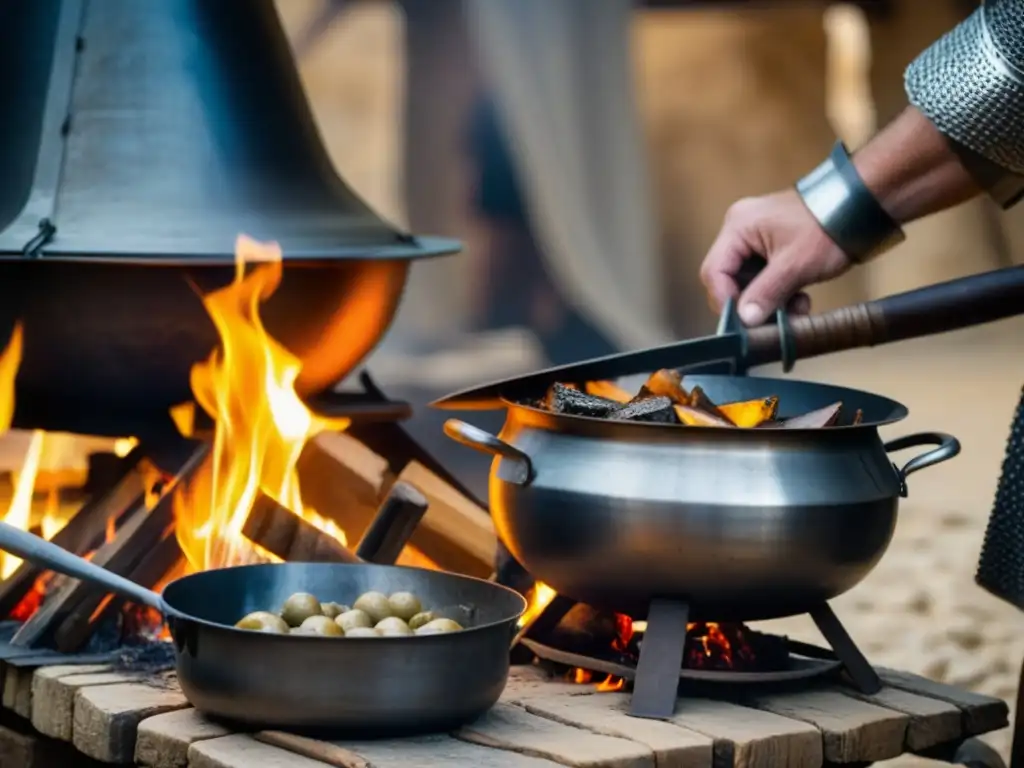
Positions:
(926, 311)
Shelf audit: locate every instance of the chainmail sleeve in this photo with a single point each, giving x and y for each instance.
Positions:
(970, 84)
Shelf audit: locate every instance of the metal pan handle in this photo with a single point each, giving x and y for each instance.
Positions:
(948, 447)
(485, 442)
(41, 552)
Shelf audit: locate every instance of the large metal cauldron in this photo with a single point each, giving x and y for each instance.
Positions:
(140, 138)
(109, 346)
(744, 524)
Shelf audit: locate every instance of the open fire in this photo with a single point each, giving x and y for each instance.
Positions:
(616, 638)
(260, 427)
(247, 387)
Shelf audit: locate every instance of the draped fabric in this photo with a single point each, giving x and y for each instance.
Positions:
(560, 74)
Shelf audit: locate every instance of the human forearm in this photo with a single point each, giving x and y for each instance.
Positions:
(913, 169)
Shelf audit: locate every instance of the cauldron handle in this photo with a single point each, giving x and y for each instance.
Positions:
(485, 442)
(948, 447)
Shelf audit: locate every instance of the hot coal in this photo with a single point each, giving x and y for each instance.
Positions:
(654, 409)
(583, 629)
(606, 636)
(563, 399)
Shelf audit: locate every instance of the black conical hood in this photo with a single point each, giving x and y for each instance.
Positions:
(160, 129)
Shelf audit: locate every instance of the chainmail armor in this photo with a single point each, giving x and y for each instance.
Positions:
(970, 83)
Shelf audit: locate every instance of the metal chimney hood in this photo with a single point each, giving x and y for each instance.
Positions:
(157, 130)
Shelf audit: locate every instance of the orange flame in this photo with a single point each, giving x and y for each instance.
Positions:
(540, 597)
(260, 424)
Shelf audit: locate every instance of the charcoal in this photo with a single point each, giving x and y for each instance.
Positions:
(656, 409)
(573, 402)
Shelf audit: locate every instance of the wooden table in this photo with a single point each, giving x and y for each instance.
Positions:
(121, 717)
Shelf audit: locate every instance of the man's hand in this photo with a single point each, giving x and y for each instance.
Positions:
(799, 253)
(910, 168)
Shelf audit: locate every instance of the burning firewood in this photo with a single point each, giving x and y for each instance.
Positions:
(564, 399)
(657, 409)
(664, 399)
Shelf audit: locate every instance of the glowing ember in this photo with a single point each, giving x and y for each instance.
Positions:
(260, 424)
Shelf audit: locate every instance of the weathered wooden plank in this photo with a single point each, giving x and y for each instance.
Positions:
(514, 729)
(529, 680)
(419, 752)
(673, 746)
(53, 695)
(853, 731)
(241, 751)
(163, 741)
(107, 717)
(931, 721)
(746, 737)
(981, 714)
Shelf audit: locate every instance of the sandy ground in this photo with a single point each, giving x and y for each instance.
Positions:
(920, 610)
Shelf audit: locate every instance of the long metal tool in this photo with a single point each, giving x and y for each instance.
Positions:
(948, 306)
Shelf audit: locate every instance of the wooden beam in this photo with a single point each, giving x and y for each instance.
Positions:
(343, 480)
(133, 542)
(77, 628)
(84, 532)
(455, 533)
(280, 531)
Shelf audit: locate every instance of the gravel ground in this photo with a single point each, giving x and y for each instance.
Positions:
(920, 609)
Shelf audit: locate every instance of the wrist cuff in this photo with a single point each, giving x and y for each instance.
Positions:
(846, 209)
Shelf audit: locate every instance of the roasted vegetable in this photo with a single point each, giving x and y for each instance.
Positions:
(665, 398)
(751, 413)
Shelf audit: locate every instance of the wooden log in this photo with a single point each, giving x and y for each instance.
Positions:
(516, 730)
(455, 533)
(342, 479)
(241, 751)
(83, 533)
(435, 750)
(981, 714)
(853, 731)
(54, 690)
(393, 525)
(77, 628)
(163, 741)
(107, 717)
(279, 530)
(142, 530)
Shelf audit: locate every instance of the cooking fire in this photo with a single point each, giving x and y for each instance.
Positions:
(192, 512)
(618, 639)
